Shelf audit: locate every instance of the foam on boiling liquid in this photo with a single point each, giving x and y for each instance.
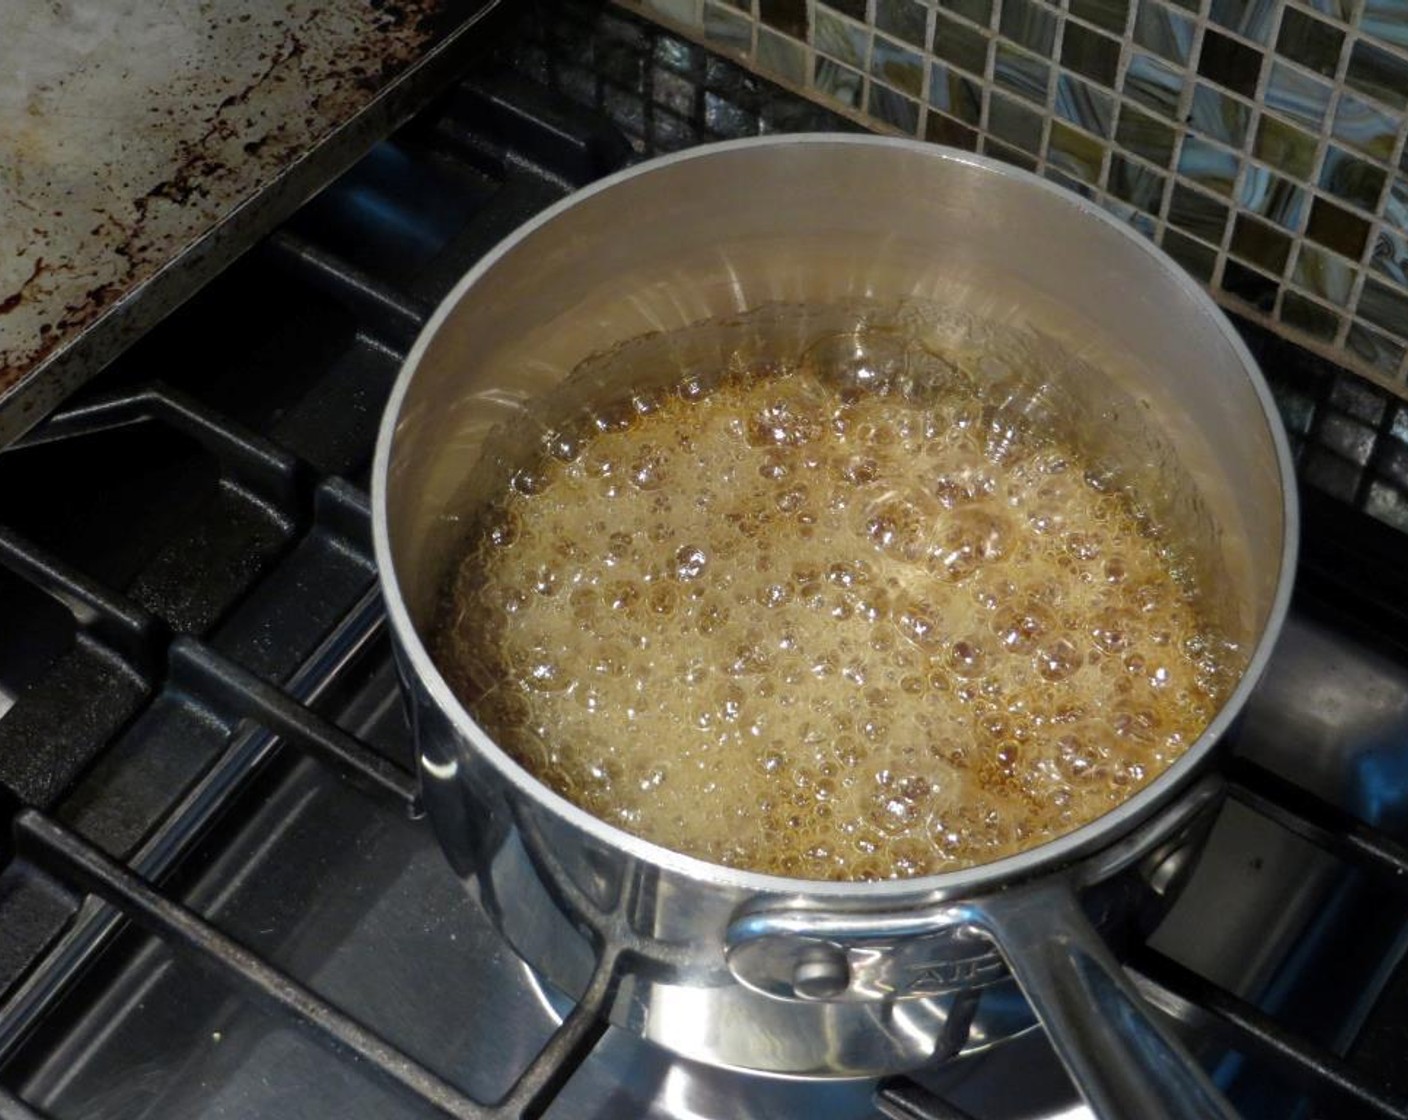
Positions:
(805, 621)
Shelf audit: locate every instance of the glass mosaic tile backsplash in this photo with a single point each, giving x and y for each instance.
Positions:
(1260, 142)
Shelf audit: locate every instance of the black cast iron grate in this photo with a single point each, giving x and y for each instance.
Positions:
(149, 686)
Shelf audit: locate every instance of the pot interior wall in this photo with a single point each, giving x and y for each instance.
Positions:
(830, 221)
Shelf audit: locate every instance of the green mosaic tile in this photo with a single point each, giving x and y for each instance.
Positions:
(1197, 213)
(1249, 285)
(979, 11)
(1378, 73)
(1383, 353)
(840, 38)
(1313, 43)
(853, 8)
(1112, 15)
(1325, 273)
(1008, 154)
(1384, 307)
(1075, 153)
(1083, 104)
(1288, 149)
(1139, 185)
(955, 93)
(1090, 54)
(1297, 95)
(838, 82)
(1229, 63)
(893, 108)
(1310, 317)
(1364, 126)
(780, 56)
(1336, 228)
(1219, 116)
(906, 20)
(1198, 259)
(1386, 21)
(960, 44)
(1260, 244)
(1021, 73)
(1145, 135)
(724, 27)
(1352, 179)
(1249, 18)
(1011, 121)
(1208, 164)
(1164, 31)
(787, 16)
(897, 66)
(939, 129)
(1278, 199)
(1029, 23)
(1154, 84)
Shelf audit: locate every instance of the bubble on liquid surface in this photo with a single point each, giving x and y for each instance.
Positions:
(844, 621)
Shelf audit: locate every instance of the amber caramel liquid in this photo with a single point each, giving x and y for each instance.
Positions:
(823, 631)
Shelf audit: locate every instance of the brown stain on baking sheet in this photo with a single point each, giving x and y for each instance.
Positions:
(140, 126)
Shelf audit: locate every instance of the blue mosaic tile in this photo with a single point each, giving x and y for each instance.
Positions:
(1021, 73)
(1219, 116)
(1378, 73)
(1383, 353)
(1153, 83)
(1384, 307)
(1084, 104)
(1390, 253)
(840, 38)
(1251, 18)
(1030, 23)
(1208, 164)
(1165, 31)
(1127, 213)
(1352, 179)
(894, 109)
(1313, 43)
(897, 66)
(1365, 126)
(838, 82)
(1325, 273)
(1273, 197)
(1137, 184)
(1386, 20)
(955, 93)
(1297, 95)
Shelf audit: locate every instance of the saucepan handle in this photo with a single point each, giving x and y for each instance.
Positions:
(1126, 1064)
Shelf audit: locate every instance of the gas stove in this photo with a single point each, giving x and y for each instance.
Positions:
(217, 897)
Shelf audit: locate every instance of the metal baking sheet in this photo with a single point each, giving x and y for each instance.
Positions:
(144, 144)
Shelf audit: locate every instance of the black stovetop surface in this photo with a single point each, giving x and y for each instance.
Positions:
(215, 896)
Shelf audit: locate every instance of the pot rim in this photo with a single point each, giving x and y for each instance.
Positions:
(1096, 834)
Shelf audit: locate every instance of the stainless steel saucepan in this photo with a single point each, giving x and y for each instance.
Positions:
(826, 978)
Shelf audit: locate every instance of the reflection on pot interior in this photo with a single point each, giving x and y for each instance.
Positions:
(874, 602)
